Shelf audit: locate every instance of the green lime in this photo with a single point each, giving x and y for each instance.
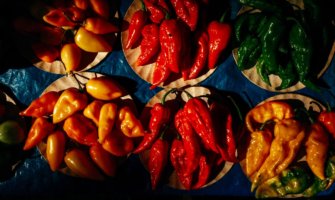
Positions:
(11, 132)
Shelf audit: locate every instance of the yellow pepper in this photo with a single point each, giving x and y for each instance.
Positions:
(107, 118)
(70, 101)
(129, 124)
(92, 42)
(92, 111)
(103, 88)
(272, 110)
(257, 150)
(55, 149)
(288, 137)
(317, 144)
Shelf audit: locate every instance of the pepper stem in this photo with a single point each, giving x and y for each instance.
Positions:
(239, 113)
(80, 84)
(166, 94)
(188, 94)
(319, 105)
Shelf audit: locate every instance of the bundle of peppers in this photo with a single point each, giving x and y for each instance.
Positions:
(87, 130)
(69, 31)
(280, 132)
(172, 36)
(279, 38)
(196, 138)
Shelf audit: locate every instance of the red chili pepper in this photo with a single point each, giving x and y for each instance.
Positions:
(158, 10)
(171, 40)
(201, 54)
(161, 71)
(327, 118)
(219, 35)
(150, 45)
(188, 11)
(204, 172)
(160, 115)
(198, 114)
(137, 22)
(158, 158)
(177, 158)
(189, 139)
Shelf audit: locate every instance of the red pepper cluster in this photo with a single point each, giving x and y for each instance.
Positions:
(196, 138)
(171, 35)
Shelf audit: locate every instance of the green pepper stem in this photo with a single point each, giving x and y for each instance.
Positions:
(188, 94)
(166, 94)
(236, 107)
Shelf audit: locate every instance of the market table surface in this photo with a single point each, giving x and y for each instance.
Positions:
(33, 177)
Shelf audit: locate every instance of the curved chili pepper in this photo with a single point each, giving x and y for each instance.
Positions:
(198, 114)
(42, 106)
(158, 10)
(161, 71)
(158, 157)
(136, 24)
(201, 54)
(160, 115)
(38, 131)
(188, 11)
(205, 169)
(219, 35)
(150, 45)
(190, 142)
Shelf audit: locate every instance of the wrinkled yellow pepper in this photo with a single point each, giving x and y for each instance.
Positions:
(129, 124)
(288, 137)
(107, 118)
(92, 111)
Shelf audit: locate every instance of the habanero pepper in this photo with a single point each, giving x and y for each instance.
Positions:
(45, 52)
(161, 71)
(42, 106)
(70, 101)
(327, 118)
(107, 118)
(158, 10)
(99, 25)
(187, 11)
(81, 129)
(150, 45)
(100, 7)
(82, 4)
(92, 42)
(118, 144)
(160, 116)
(198, 114)
(92, 111)
(104, 88)
(129, 124)
(219, 35)
(104, 160)
(40, 128)
(70, 55)
(56, 17)
(136, 24)
(158, 157)
(55, 150)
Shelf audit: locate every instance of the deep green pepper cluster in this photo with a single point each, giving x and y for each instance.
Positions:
(279, 38)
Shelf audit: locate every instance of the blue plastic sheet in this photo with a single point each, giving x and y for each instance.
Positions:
(33, 177)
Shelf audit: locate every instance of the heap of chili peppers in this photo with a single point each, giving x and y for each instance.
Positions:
(186, 45)
(196, 137)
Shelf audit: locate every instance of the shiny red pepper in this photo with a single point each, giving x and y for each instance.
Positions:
(158, 157)
(204, 172)
(157, 9)
(190, 141)
(219, 35)
(327, 118)
(188, 11)
(160, 115)
(57, 17)
(161, 71)
(136, 24)
(200, 61)
(150, 45)
(198, 114)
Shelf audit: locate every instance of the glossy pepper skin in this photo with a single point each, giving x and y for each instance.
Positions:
(104, 160)
(161, 71)
(118, 144)
(42, 106)
(40, 128)
(198, 114)
(99, 25)
(248, 53)
(92, 111)
(130, 125)
(81, 129)
(136, 24)
(79, 161)
(70, 101)
(150, 45)
(104, 88)
(157, 9)
(92, 42)
(107, 118)
(219, 35)
(55, 149)
(57, 17)
(205, 169)
(200, 60)
(327, 118)
(317, 149)
(158, 157)
(188, 11)
(100, 7)
(160, 116)
(70, 55)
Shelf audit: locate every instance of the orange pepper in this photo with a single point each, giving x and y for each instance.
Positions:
(100, 7)
(42, 106)
(104, 88)
(92, 111)
(104, 160)
(70, 101)
(56, 17)
(99, 25)
(45, 52)
(82, 4)
(130, 125)
(92, 42)
(107, 118)
(81, 129)
(70, 55)
(118, 144)
(55, 149)
(38, 131)
(79, 162)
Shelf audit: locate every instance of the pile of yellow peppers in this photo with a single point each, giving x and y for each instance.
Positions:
(276, 140)
(87, 130)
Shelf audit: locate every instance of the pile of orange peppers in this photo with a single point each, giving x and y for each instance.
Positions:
(88, 130)
(69, 30)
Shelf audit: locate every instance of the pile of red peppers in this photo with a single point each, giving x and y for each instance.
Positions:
(195, 137)
(171, 35)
